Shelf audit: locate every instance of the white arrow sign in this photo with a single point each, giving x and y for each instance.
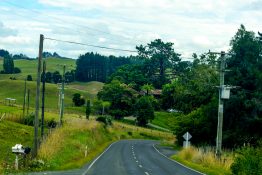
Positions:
(187, 136)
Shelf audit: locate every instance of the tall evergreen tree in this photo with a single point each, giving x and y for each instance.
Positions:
(160, 55)
(8, 64)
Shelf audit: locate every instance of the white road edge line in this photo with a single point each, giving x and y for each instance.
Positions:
(176, 161)
(97, 158)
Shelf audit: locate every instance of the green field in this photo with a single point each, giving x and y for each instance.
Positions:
(92, 87)
(165, 120)
(15, 89)
(29, 67)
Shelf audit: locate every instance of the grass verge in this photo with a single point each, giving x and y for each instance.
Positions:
(65, 147)
(204, 160)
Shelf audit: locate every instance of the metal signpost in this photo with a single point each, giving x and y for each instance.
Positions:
(187, 137)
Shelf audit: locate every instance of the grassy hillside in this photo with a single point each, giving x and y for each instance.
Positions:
(29, 67)
(15, 89)
(165, 120)
(92, 87)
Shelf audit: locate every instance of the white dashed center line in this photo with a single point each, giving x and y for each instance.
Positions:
(146, 173)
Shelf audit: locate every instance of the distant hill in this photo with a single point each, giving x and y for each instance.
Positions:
(15, 88)
(29, 67)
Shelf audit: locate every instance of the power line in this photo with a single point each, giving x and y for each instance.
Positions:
(91, 45)
(59, 19)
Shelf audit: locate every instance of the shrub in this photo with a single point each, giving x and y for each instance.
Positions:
(248, 161)
(130, 133)
(29, 119)
(51, 123)
(29, 78)
(107, 120)
(17, 70)
(144, 110)
(78, 100)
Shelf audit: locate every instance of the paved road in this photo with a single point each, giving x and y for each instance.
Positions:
(131, 157)
(135, 157)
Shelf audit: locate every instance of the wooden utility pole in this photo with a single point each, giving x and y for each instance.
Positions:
(24, 99)
(43, 100)
(37, 95)
(62, 96)
(220, 106)
(28, 101)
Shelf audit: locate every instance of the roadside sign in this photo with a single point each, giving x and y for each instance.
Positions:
(187, 136)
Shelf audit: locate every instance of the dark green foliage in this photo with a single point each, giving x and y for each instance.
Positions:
(248, 161)
(95, 67)
(3, 53)
(107, 120)
(29, 78)
(48, 77)
(200, 123)
(88, 108)
(190, 91)
(20, 56)
(243, 112)
(97, 106)
(70, 76)
(132, 75)
(8, 65)
(144, 110)
(29, 120)
(51, 123)
(121, 97)
(78, 100)
(17, 70)
(160, 56)
(48, 55)
(57, 77)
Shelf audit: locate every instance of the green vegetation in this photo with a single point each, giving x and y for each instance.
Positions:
(205, 161)
(248, 161)
(92, 87)
(12, 133)
(15, 89)
(166, 120)
(144, 110)
(96, 67)
(121, 97)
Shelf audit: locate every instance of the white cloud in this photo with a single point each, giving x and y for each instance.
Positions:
(101, 40)
(6, 31)
(193, 26)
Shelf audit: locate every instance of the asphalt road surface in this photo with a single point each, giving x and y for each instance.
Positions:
(131, 157)
(135, 157)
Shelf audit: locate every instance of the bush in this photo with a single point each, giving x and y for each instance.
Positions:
(51, 123)
(144, 110)
(29, 78)
(17, 70)
(248, 161)
(29, 119)
(107, 120)
(78, 100)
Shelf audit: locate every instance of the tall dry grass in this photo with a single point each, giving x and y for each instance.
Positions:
(206, 157)
(55, 140)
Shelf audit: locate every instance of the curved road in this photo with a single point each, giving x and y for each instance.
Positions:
(135, 157)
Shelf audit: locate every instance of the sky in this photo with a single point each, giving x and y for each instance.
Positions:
(194, 26)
